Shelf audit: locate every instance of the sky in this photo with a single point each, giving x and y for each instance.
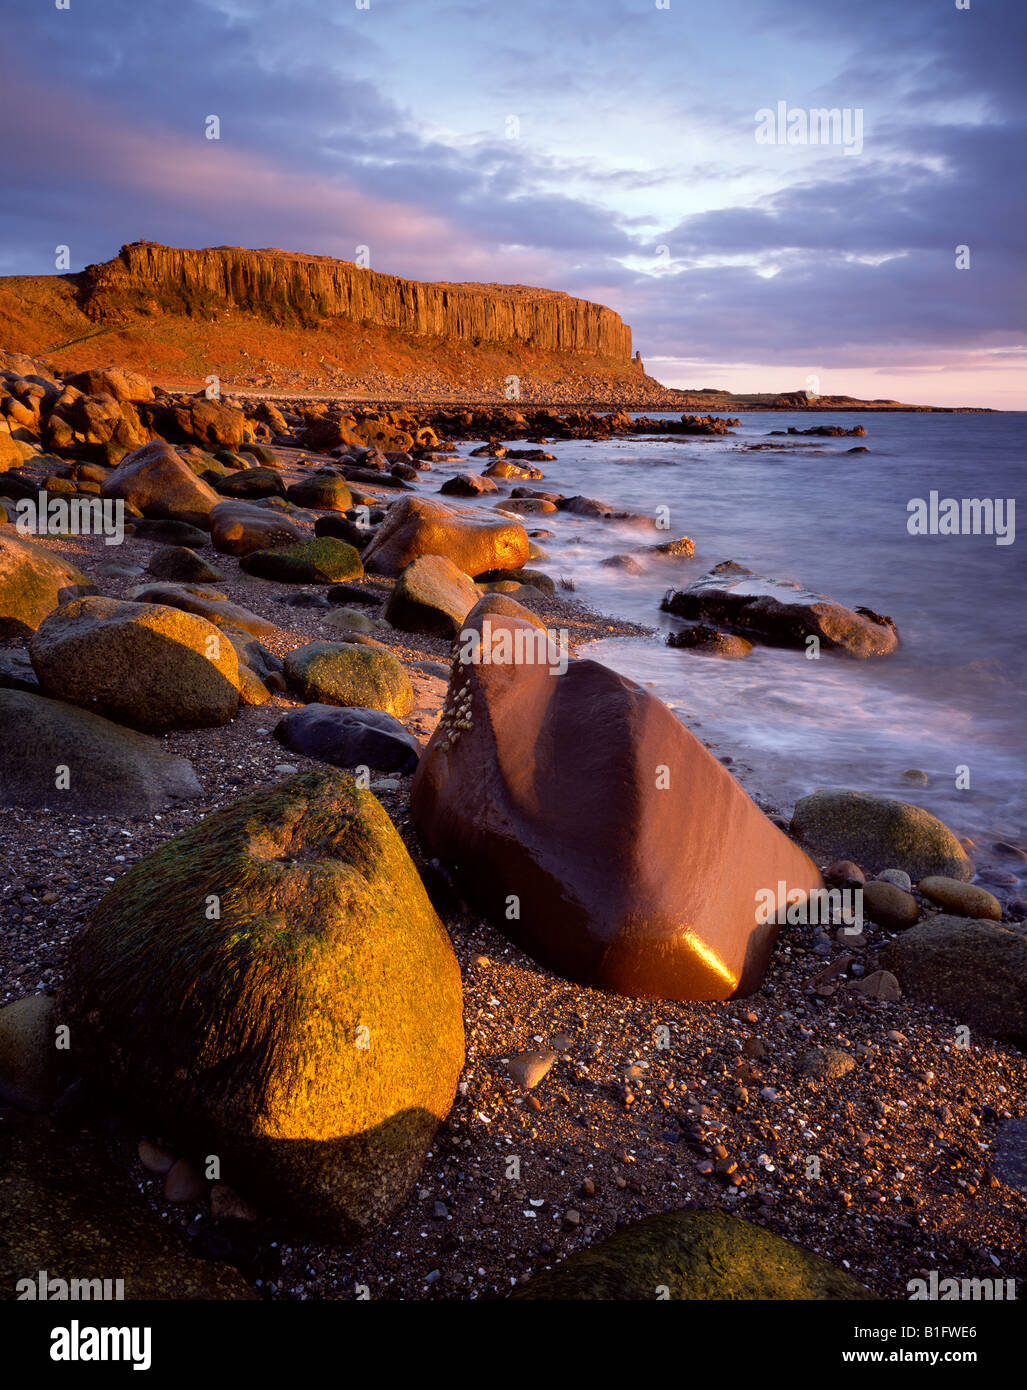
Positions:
(613, 149)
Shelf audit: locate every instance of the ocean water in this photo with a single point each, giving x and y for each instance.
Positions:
(951, 698)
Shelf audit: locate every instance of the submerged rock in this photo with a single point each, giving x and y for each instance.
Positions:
(781, 612)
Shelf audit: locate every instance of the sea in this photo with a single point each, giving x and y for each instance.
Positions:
(942, 722)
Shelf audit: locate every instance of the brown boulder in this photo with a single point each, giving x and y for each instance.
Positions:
(161, 484)
(238, 528)
(629, 860)
(33, 581)
(112, 381)
(473, 540)
(197, 420)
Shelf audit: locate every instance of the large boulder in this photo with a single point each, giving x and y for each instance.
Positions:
(147, 665)
(33, 581)
(251, 483)
(695, 1256)
(976, 970)
(123, 385)
(29, 1072)
(161, 484)
(196, 420)
(96, 427)
(316, 560)
(323, 492)
(345, 673)
(68, 1215)
(593, 828)
(879, 834)
(474, 541)
(309, 1031)
(431, 595)
(349, 738)
(238, 528)
(781, 612)
(110, 770)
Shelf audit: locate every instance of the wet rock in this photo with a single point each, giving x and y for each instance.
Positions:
(28, 1053)
(178, 562)
(322, 560)
(879, 833)
(710, 641)
(33, 581)
(961, 899)
(157, 481)
(889, 906)
(432, 595)
(336, 673)
(781, 612)
(609, 853)
(473, 540)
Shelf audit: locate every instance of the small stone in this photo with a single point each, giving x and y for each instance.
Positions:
(882, 984)
(963, 899)
(154, 1158)
(724, 1167)
(843, 873)
(184, 1182)
(286, 769)
(571, 1219)
(227, 1205)
(753, 1048)
(826, 1063)
(588, 1187)
(897, 876)
(528, 1068)
(440, 1211)
(889, 905)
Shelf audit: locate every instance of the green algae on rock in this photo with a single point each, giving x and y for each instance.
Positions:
(322, 560)
(274, 985)
(692, 1256)
(345, 673)
(879, 833)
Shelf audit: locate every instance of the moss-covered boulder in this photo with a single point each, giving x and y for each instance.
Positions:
(345, 673)
(431, 595)
(691, 1256)
(274, 986)
(33, 581)
(976, 970)
(59, 756)
(879, 834)
(147, 665)
(326, 492)
(322, 560)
